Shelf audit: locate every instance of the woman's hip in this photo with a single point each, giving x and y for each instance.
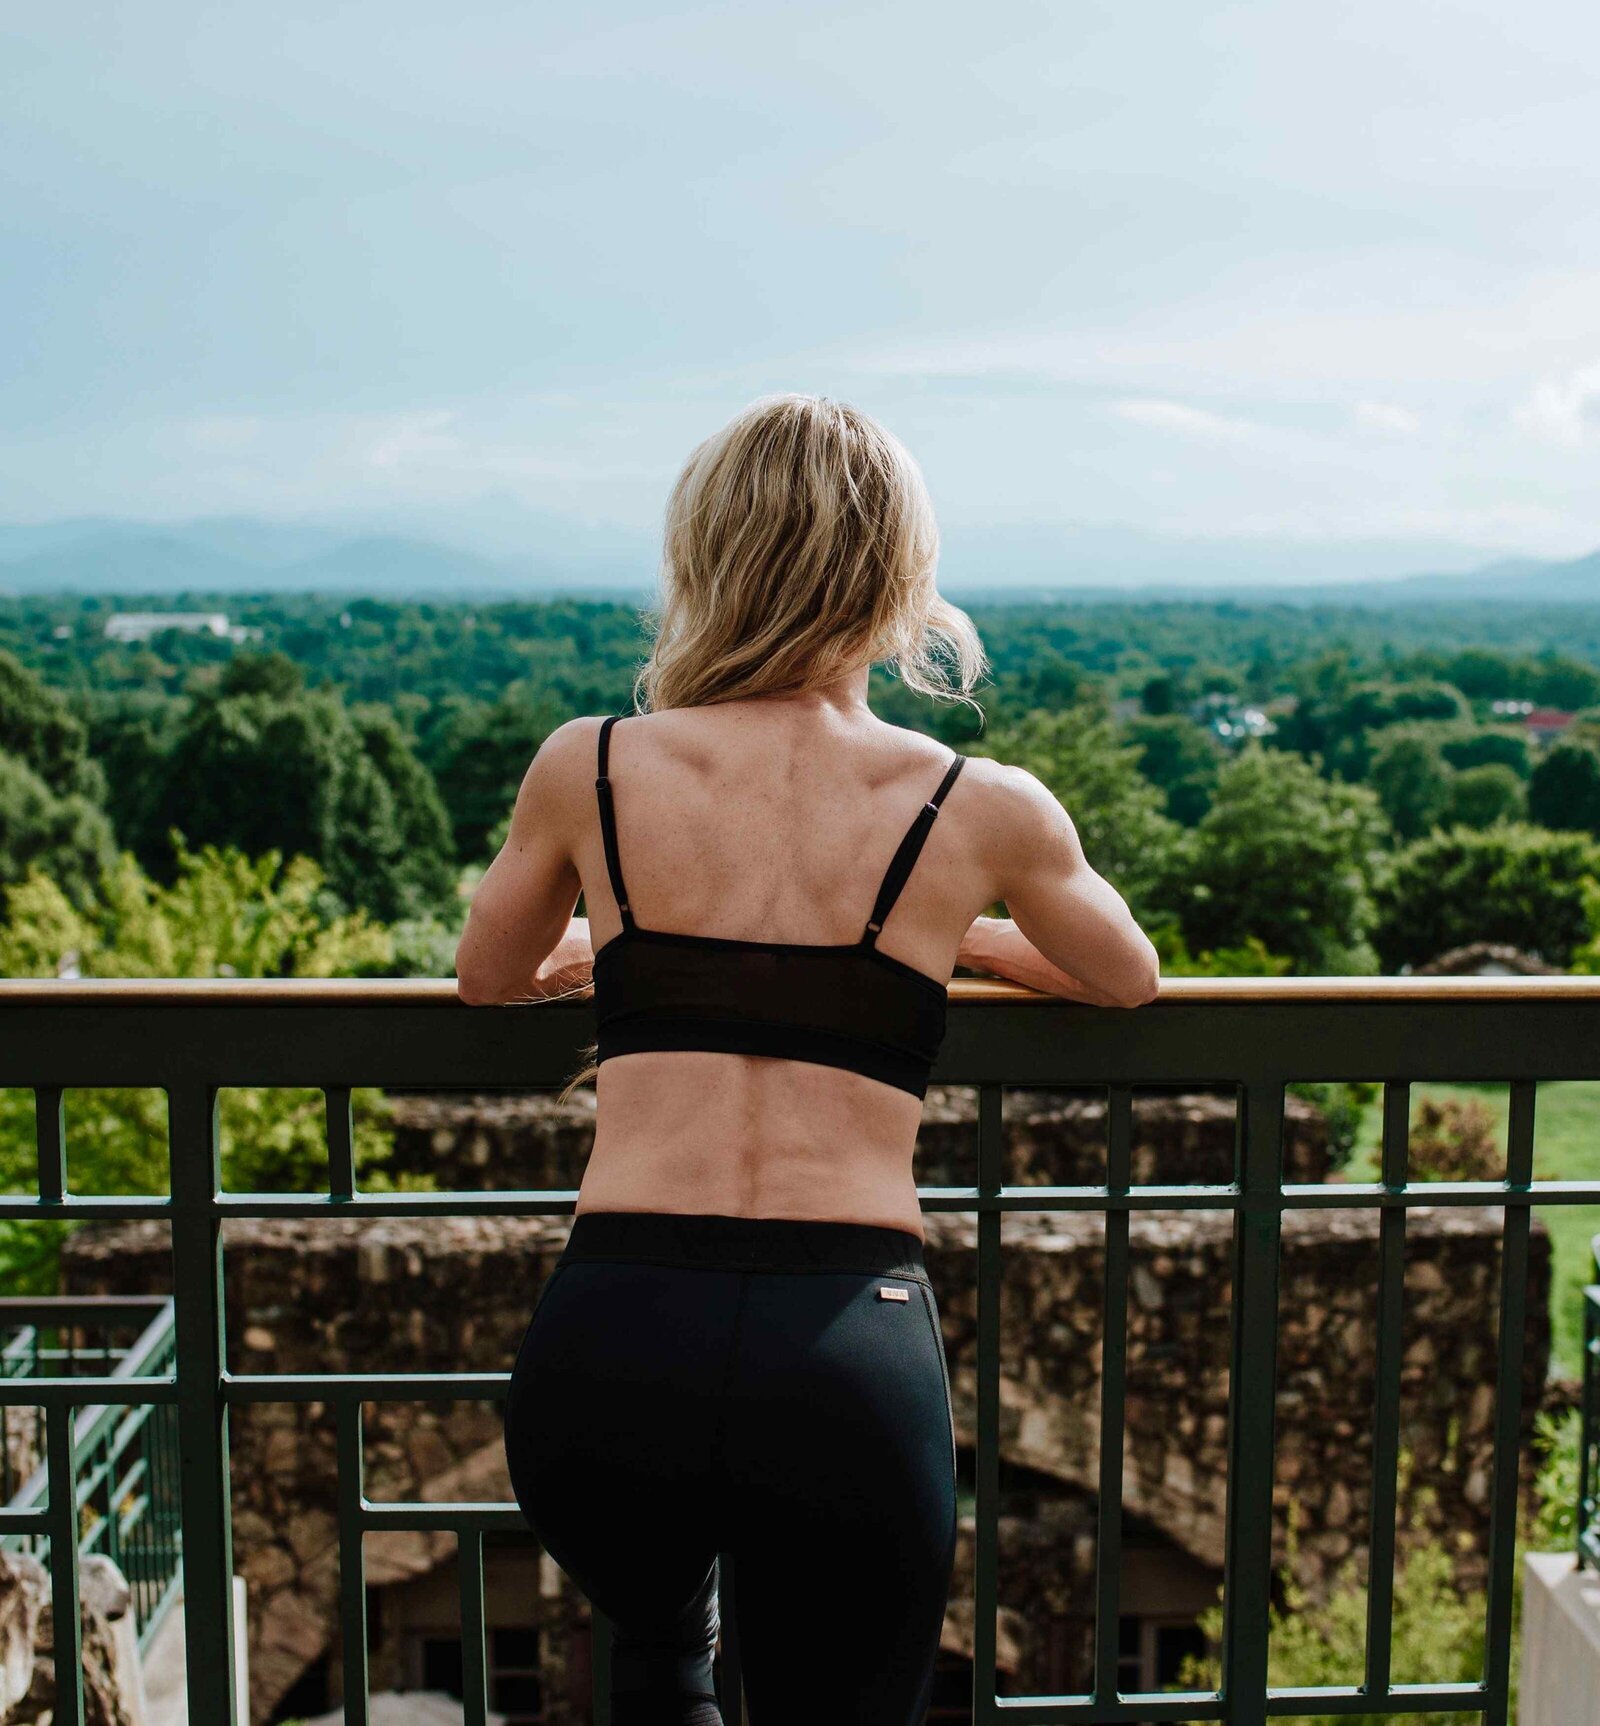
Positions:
(677, 1334)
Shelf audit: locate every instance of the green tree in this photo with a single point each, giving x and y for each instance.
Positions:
(1564, 789)
(40, 730)
(1585, 958)
(1338, 725)
(131, 735)
(67, 836)
(274, 674)
(1287, 856)
(1511, 882)
(262, 765)
(1117, 811)
(478, 753)
(226, 915)
(1250, 960)
(1481, 674)
(1481, 796)
(1182, 758)
(1159, 697)
(1562, 681)
(1485, 746)
(1412, 780)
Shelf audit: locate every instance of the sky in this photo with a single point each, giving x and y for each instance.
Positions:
(1262, 269)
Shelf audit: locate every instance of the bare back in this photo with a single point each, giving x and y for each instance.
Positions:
(772, 820)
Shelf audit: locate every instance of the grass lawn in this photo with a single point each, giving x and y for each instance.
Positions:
(1566, 1146)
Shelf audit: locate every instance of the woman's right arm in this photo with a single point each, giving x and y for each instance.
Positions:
(1070, 932)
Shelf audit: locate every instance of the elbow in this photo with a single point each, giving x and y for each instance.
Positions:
(474, 987)
(1144, 987)
(471, 992)
(475, 984)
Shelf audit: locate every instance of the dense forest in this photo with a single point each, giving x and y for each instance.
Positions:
(1279, 788)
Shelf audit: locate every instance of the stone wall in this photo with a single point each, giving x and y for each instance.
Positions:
(405, 1294)
(1176, 1407)
(108, 1646)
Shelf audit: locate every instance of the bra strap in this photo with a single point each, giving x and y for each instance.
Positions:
(608, 824)
(905, 859)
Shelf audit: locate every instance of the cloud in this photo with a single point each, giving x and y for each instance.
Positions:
(1285, 338)
(1188, 421)
(410, 437)
(1564, 410)
(1387, 417)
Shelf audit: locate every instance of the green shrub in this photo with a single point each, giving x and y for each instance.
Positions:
(1437, 1633)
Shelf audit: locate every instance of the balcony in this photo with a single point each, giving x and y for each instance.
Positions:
(1249, 1038)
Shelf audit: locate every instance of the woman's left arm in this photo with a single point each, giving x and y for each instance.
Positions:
(521, 941)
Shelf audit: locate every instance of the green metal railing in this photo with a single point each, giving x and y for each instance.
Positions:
(1253, 1036)
(126, 1484)
(1589, 1430)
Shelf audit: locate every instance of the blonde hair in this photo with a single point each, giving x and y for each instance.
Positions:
(801, 545)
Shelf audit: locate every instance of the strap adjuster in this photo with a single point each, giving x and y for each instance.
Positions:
(602, 783)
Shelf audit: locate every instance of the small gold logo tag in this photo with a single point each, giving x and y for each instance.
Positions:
(893, 1294)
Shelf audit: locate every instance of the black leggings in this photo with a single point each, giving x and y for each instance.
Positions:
(696, 1385)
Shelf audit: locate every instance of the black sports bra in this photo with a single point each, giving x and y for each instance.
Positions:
(841, 1006)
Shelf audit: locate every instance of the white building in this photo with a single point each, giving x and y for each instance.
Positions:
(141, 625)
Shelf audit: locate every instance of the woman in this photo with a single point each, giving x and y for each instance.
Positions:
(739, 1350)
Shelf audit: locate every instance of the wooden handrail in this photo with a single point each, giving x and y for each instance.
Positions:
(441, 991)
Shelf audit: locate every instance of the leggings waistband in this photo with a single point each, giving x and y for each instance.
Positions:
(744, 1243)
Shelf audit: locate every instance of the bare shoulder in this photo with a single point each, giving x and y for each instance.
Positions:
(564, 768)
(1011, 811)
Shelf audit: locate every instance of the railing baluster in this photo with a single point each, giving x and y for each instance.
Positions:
(1588, 1415)
(51, 1138)
(1113, 1387)
(207, 1520)
(352, 1560)
(341, 1142)
(1252, 1405)
(1511, 1346)
(986, 1554)
(1386, 1391)
(474, 1629)
(63, 1524)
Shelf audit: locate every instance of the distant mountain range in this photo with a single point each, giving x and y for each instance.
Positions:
(496, 548)
(227, 555)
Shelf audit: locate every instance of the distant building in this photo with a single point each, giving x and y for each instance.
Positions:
(141, 625)
(1486, 959)
(1543, 723)
(1231, 719)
